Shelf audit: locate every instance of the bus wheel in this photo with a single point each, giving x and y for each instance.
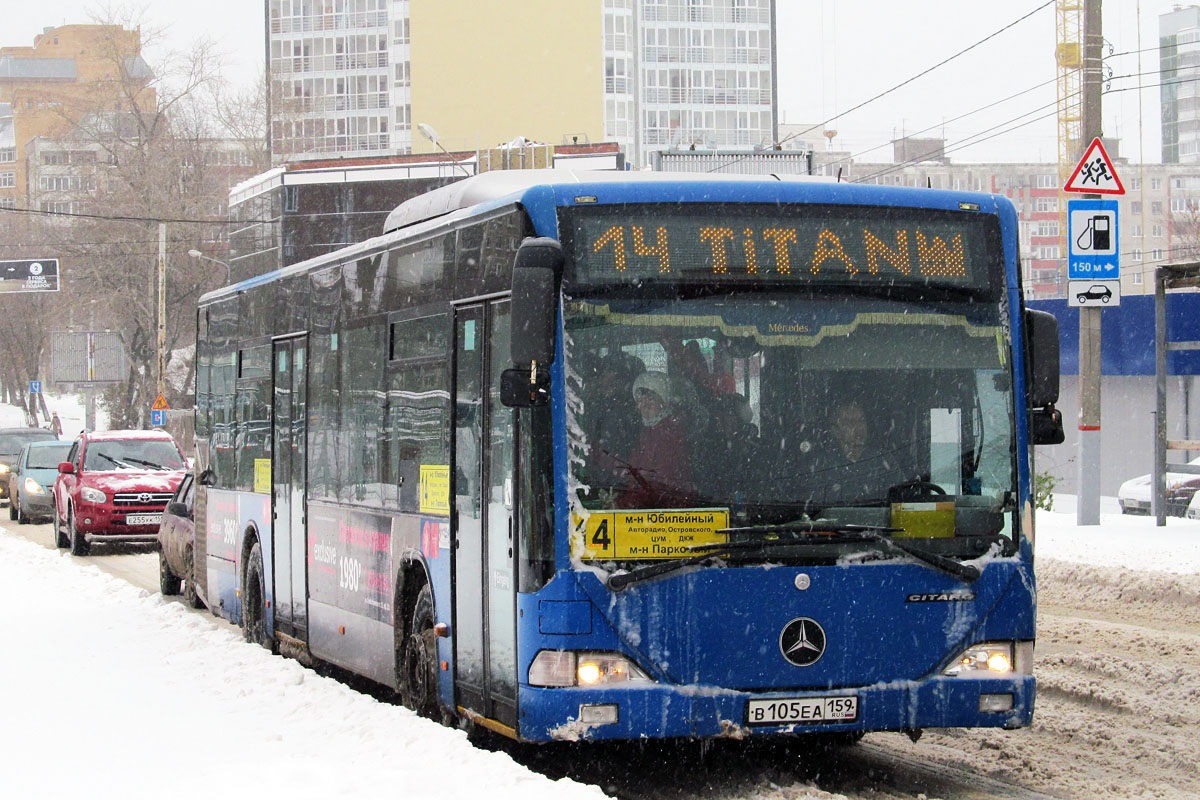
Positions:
(418, 679)
(254, 606)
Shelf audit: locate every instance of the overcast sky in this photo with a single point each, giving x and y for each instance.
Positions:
(833, 55)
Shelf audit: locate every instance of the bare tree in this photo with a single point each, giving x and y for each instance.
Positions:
(159, 158)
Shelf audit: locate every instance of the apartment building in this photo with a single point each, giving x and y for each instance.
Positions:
(358, 77)
(1179, 69)
(70, 72)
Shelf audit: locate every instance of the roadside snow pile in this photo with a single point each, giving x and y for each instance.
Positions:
(1120, 540)
(199, 711)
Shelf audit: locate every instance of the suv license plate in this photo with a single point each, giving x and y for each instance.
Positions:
(143, 519)
(792, 710)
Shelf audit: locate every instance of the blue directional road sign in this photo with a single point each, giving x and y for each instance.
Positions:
(1092, 242)
(158, 417)
(35, 387)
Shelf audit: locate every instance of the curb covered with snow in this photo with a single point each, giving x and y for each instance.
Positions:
(199, 712)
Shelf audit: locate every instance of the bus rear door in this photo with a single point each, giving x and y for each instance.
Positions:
(289, 438)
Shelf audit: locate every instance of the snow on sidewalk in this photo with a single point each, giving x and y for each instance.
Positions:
(108, 691)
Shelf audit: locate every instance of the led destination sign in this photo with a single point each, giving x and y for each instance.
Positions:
(804, 244)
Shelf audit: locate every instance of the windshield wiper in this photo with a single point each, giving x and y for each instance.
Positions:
(144, 462)
(121, 464)
(802, 533)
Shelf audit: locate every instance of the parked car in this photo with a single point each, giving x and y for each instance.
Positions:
(1134, 494)
(114, 486)
(1193, 509)
(11, 442)
(176, 542)
(32, 477)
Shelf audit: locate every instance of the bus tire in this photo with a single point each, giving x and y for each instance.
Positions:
(418, 659)
(168, 582)
(190, 595)
(254, 605)
(79, 545)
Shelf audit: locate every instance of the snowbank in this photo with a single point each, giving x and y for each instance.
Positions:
(109, 691)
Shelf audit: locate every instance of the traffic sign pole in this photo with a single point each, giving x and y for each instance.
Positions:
(1087, 511)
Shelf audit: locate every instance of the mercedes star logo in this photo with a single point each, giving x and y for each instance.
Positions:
(802, 641)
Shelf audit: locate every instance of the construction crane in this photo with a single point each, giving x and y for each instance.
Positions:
(1068, 55)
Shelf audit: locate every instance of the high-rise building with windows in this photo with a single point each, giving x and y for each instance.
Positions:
(1179, 67)
(358, 77)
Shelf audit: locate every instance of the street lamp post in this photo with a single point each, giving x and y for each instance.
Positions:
(429, 133)
(228, 270)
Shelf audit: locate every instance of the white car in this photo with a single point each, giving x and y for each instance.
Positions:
(1134, 494)
(1193, 509)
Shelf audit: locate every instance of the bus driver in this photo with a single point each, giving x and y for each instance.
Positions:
(659, 471)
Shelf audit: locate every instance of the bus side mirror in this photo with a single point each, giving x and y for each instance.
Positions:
(1047, 426)
(516, 390)
(1045, 422)
(1041, 330)
(536, 274)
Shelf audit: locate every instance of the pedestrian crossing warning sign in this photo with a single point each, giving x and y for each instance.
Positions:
(1095, 173)
(160, 404)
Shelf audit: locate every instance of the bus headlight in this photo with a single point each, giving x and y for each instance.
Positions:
(92, 495)
(33, 487)
(569, 668)
(993, 659)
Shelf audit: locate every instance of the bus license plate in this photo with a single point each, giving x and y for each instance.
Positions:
(143, 519)
(792, 710)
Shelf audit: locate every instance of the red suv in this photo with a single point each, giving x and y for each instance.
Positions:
(113, 488)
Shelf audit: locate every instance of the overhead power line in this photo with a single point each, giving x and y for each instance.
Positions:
(921, 74)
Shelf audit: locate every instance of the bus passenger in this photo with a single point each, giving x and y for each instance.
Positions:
(659, 467)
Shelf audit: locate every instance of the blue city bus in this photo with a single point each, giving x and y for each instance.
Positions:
(599, 456)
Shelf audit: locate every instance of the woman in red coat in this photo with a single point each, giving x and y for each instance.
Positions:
(659, 467)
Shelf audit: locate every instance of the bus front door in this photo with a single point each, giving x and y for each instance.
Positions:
(289, 439)
(484, 489)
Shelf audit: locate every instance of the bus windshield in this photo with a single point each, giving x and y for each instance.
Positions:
(778, 407)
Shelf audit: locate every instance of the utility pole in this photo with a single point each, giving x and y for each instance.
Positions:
(1088, 508)
(162, 307)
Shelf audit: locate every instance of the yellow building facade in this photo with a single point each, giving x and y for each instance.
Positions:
(546, 84)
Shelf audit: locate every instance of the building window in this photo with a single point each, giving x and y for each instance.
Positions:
(1136, 255)
(1156, 254)
(1046, 182)
(1045, 204)
(1137, 278)
(1136, 231)
(1135, 207)
(8, 154)
(1156, 207)
(1157, 230)
(8, 180)
(8, 202)
(1155, 184)
(1047, 229)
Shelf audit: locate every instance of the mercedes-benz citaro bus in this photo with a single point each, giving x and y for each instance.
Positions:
(625, 455)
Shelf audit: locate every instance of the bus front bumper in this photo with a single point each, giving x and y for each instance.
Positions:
(656, 711)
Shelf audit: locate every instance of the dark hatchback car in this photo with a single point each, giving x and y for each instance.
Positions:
(176, 539)
(11, 442)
